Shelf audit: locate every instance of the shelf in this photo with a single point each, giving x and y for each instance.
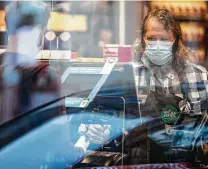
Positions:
(96, 60)
(190, 19)
(3, 30)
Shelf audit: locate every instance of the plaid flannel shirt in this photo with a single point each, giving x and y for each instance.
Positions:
(191, 85)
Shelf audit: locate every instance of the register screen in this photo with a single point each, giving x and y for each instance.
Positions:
(78, 82)
(82, 83)
(79, 85)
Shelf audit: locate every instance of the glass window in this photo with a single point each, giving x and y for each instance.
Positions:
(103, 84)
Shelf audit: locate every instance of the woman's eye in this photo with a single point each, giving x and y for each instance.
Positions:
(164, 39)
(151, 39)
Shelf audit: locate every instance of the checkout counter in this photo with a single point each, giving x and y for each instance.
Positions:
(107, 89)
(115, 88)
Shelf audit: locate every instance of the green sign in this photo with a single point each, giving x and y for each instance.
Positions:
(169, 114)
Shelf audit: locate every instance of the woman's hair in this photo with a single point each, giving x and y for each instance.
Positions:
(169, 22)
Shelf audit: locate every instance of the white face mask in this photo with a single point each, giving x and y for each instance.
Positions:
(26, 43)
(159, 52)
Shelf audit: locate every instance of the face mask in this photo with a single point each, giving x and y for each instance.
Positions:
(27, 45)
(159, 52)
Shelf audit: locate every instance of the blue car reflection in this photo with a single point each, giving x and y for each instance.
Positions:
(51, 144)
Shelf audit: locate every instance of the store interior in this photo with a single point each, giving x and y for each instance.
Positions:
(76, 26)
(100, 34)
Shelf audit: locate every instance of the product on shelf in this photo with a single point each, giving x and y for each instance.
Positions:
(2, 21)
(192, 31)
(194, 9)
